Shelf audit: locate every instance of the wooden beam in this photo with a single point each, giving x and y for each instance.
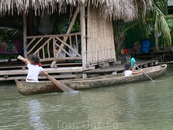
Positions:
(156, 42)
(24, 34)
(61, 59)
(83, 35)
(68, 31)
(49, 70)
(47, 36)
(68, 46)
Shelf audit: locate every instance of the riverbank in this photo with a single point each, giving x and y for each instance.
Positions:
(19, 71)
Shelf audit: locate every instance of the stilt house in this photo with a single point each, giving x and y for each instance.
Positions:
(94, 44)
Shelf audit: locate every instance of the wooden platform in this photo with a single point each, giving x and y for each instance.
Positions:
(162, 56)
(59, 73)
(12, 72)
(118, 68)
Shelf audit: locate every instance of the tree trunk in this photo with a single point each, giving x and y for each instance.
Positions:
(156, 42)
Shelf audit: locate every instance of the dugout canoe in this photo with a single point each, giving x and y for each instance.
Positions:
(28, 88)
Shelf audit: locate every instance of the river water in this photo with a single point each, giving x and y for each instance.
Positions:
(143, 105)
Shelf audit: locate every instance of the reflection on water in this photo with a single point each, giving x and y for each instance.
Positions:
(135, 106)
(34, 108)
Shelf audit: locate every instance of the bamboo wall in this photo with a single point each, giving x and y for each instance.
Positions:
(100, 41)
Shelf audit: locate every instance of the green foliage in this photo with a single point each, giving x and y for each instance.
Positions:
(8, 56)
(8, 33)
(76, 26)
(161, 26)
(11, 27)
(169, 19)
(154, 22)
(119, 27)
(162, 5)
(59, 25)
(61, 22)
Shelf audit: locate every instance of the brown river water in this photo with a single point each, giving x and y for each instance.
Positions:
(134, 106)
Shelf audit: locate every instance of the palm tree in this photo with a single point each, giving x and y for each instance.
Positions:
(153, 23)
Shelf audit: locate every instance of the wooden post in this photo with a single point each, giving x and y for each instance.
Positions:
(24, 35)
(156, 42)
(83, 36)
(68, 32)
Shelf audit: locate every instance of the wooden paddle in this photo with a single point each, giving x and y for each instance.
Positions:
(63, 87)
(146, 74)
(133, 63)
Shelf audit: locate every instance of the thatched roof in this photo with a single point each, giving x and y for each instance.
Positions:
(116, 9)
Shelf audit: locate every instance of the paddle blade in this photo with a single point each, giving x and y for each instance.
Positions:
(20, 57)
(63, 87)
(68, 89)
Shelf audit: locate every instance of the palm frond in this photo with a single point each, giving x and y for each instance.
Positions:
(11, 32)
(162, 5)
(160, 25)
(154, 21)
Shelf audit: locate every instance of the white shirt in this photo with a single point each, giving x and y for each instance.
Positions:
(128, 72)
(33, 71)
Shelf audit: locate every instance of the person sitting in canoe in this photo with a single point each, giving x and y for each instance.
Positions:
(129, 71)
(34, 68)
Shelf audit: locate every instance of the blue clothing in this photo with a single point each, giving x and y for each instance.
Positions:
(133, 62)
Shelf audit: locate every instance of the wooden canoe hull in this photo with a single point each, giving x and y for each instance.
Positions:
(28, 88)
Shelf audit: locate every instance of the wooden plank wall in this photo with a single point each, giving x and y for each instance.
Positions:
(100, 42)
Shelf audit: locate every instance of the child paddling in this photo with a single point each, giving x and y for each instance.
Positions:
(34, 68)
(129, 71)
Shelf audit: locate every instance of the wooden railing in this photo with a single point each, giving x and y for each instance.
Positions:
(48, 46)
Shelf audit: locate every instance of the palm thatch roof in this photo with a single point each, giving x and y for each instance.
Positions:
(126, 10)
